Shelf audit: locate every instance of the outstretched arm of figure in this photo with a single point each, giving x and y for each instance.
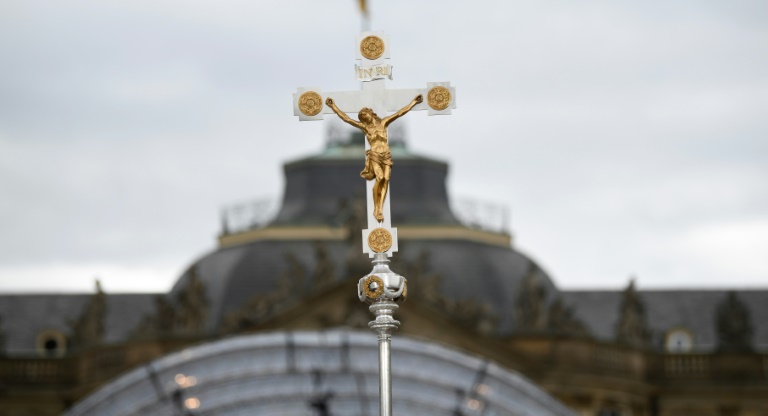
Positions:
(401, 112)
(329, 102)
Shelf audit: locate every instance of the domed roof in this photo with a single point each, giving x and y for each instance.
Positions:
(317, 186)
(471, 273)
(303, 373)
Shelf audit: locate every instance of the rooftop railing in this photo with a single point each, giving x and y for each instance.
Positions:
(37, 370)
(482, 215)
(249, 215)
(472, 213)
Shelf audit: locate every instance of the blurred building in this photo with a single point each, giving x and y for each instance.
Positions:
(602, 353)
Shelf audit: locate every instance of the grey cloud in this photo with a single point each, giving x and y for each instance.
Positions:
(608, 127)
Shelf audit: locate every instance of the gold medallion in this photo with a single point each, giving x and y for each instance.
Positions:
(380, 240)
(439, 98)
(375, 292)
(310, 103)
(372, 47)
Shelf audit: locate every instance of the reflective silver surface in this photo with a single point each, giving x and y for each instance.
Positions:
(385, 376)
(383, 307)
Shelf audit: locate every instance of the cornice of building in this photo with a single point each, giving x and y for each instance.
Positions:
(405, 232)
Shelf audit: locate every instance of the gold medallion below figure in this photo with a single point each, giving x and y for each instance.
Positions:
(378, 160)
(310, 103)
(372, 47)
(380, 240)
(373, 287)
(439, 98)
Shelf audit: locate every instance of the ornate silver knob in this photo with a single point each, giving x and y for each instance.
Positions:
(382, 284)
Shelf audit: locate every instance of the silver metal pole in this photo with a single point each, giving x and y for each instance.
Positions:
(381, 289)
(385, 376)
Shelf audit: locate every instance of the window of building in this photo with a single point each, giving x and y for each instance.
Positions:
(679, 340)
(51, 343)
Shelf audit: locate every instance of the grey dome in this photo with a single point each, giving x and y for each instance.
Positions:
(485, 277)
(490, 275)
(285, 373)
(317, 185)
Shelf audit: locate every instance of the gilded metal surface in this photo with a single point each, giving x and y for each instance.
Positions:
(372, 47)
(378, 160)
(310, 103)
(439, 98)
(380, 240)
(373, 293)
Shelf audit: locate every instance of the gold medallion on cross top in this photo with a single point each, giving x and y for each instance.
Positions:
(372, 47)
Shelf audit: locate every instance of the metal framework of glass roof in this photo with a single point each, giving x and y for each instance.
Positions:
(317, 373)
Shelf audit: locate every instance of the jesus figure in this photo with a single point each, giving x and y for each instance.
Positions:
(378, 160)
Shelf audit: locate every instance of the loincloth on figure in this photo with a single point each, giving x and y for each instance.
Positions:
(372, 159)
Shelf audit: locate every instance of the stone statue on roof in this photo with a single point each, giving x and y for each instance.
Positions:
(89, 329)
(734, 324)
(632, 327)
(193, 305)
(530, 306)
(2, 337)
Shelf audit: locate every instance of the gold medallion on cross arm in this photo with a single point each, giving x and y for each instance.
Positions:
(380, 240)
(372, 47)
(310, 103)
(439, 98)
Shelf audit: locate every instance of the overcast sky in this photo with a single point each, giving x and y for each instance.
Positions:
(628, 138)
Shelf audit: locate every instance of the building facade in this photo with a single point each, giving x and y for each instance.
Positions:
(601, 353)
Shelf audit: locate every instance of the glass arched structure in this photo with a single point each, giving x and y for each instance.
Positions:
(317, 373)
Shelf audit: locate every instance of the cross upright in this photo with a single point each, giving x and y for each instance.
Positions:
(382, 288)
(373, 51)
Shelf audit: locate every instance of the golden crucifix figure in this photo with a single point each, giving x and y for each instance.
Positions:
(378, 160)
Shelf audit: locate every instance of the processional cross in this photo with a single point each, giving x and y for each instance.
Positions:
(381, 288)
